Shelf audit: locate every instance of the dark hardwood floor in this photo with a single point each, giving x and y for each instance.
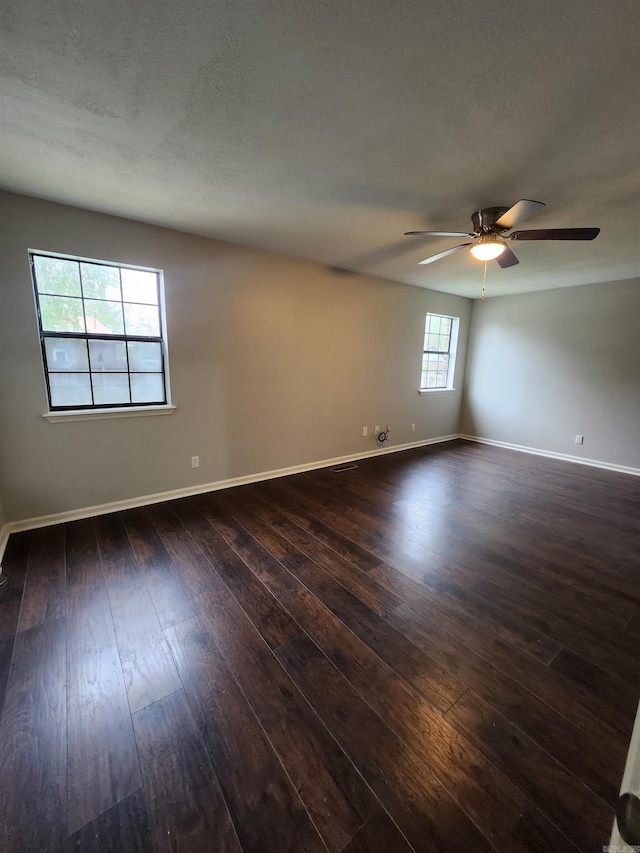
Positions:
(435, 651)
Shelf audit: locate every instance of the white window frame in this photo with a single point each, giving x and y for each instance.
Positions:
(450, 352)
(99, 411)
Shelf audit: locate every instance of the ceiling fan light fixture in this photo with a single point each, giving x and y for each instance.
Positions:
(487, 248)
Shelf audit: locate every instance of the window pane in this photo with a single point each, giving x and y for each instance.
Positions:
(54, 275)
(100, 282)
(139, 286)
(68, 354)
(70, 389)
(429, 362)
(147, 388)
(145, 356)
(105, 318)
(142, 320)
(110, 388)
(61, 314)
(108, 355)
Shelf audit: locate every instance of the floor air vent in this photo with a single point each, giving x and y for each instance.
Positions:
(340, 468)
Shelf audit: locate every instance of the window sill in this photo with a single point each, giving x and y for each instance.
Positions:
(103, 414)
(426, 391)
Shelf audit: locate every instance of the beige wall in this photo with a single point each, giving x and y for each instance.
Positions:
(543, 367)
(274, 362)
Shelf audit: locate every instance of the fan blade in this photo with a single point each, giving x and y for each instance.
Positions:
(507, 259)
(443, 254)
(557, 234)
(521, 210)
(438, 234)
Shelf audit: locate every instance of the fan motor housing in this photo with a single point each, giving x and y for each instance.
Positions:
(484, 220)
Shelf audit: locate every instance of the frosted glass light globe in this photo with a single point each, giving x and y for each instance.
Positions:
(487, 248)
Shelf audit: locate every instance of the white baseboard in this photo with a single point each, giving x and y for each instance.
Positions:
(594, 463)
(158, 497)
(4, 538)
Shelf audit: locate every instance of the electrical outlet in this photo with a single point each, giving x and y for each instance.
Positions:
(195, 461)
(413, 427)
(579, 439)
(376, 430)
(365, 430)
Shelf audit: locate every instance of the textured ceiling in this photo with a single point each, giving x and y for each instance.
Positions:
(326, 129)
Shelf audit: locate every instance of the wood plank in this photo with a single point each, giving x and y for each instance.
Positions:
(111, 533)
(273, 622)
(534, 833)
(616, 652)
(586, 745)
(186, 808)
(418, 668)
(489, 798)
(353, 578)
(620, 591)
(564, 600)
(82, 556)
(472, 613)
(14, 561)
(571, 806)
(147, 665)
(531, 673)
(254, 541)
(102, 761)
(601, 685)
(45, 583)
(266, 810)
(633, 627)
(199, 576)
(33, 743)
(328, 784)
(433, 681)
(408, 790)
(378, 833)
(324, 533)
(124, 828)
(369, 531)
(167, 589)
(393, 528)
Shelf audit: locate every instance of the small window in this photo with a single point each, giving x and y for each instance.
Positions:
(439, 355)
(102, 333)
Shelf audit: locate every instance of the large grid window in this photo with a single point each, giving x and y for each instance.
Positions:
(101, 330)
(438, 357)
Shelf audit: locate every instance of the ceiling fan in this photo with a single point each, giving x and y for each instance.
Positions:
(490, 226)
